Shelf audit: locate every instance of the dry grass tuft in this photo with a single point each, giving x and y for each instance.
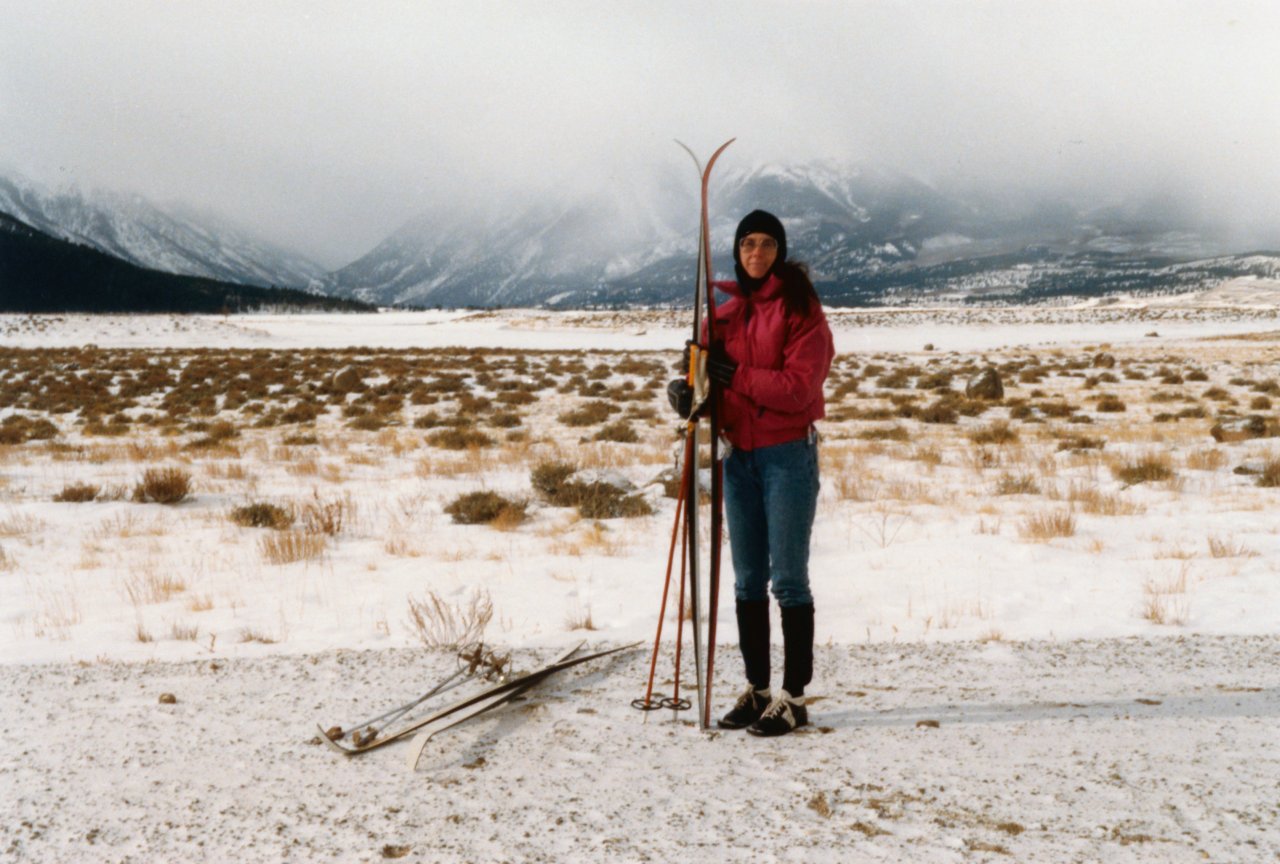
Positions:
(288, 547)
(1227, 547)
(1206, 459)
(184, 632)
(1095, 502)
(1270, 476)
(149, 586)
(1166, 603)
(580, 619)
(1017, 484)
(998, 432)
(328, 516)
(1148, 468)
(1048, 525)
(440, 624)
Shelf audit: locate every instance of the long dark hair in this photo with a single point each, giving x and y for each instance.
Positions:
(799, 297)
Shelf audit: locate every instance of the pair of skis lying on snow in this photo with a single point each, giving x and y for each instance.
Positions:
(459, 712)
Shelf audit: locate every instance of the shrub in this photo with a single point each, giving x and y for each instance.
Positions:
(594, 500)
(1150, 468)
(942, 411)
(368, 422)
(477, 508)
(1081, 442)
(1110, 403)
(1270, 476)
(330, 517)
(885, 433)
(619, 431)
(589, 414)
(548, 478)
(517, 397)
(163, 486)
(77, 493)
(1017, 484)
(605, 501)
(459, 439)
(997, 433)
(262, 515)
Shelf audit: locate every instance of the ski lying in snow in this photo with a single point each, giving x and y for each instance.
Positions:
(516, 683)
(475, 661)
(425, 735)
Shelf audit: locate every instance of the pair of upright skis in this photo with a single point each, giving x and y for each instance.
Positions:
(704, 336)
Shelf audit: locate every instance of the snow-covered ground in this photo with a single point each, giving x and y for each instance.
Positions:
(1107, 694)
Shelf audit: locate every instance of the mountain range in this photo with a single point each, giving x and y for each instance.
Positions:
(43, 273)
(133, 229)
(870, 236)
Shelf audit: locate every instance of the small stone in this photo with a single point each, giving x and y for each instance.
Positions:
(928, 724)
(346, 379)
(168, 699)
(334, 733)
(390, 851)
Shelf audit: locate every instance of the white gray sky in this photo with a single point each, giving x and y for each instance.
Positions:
(326, 125)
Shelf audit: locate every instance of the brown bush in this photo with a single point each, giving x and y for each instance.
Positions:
(619, 431)
(1149, 468)
(163, 486)
(548, 479)
(77, 493)
(262, 515)
(459, 439)
(589, 414)
(885, 433)
(477, 508)
(997, 433)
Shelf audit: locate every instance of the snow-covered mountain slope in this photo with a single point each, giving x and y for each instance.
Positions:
(869, 235)
(134, 229)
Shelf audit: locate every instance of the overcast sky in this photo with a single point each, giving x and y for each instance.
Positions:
(326, 125)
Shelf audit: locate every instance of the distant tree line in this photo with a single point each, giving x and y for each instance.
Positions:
(40, 273)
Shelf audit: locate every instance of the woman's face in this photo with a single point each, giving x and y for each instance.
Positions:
(757, 252)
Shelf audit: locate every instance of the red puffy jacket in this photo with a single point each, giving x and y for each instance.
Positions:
(783, 360)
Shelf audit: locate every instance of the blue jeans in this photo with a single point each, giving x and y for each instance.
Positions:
(770, 498)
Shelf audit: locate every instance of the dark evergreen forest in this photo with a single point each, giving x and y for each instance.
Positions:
(40, 273)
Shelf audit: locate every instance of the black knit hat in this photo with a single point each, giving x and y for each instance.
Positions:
(759, 222)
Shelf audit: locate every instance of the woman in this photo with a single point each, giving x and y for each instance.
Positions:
(773, 352)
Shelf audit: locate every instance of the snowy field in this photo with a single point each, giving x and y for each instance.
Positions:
(1047, 624)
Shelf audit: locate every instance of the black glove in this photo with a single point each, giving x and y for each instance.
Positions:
(720, 366)
(680, 395)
